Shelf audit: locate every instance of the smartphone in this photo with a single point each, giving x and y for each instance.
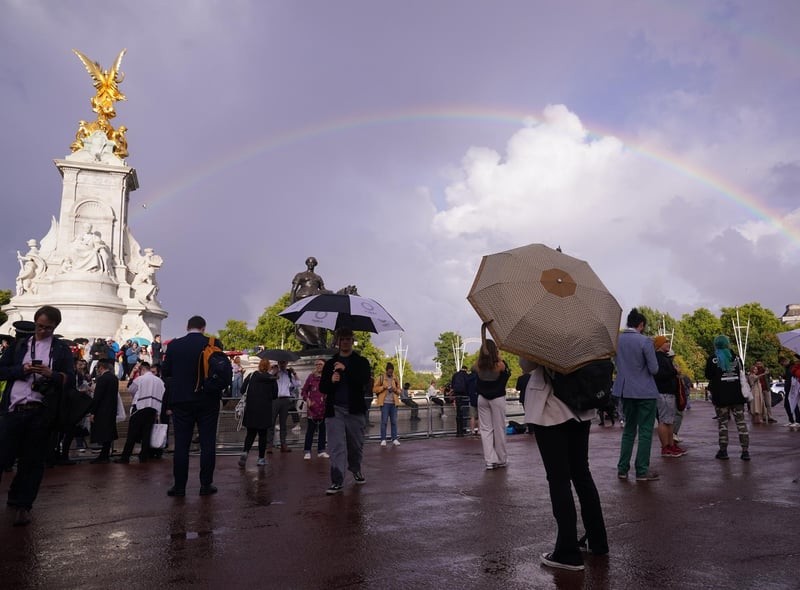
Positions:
(36, 363)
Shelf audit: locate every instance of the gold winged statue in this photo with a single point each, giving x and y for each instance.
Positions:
(106, 83)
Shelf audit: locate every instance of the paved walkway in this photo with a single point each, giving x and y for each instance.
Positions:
(428, 517)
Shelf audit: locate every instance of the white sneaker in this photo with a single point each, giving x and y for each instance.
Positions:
(383, 443)
(296, 428)
(677, 438)
(307, 456)
(396, 442)
(323, 455)
(261, 462)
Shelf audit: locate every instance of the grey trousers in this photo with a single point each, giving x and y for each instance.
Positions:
(345, 442)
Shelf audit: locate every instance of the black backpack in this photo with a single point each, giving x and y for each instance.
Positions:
(587, 388)
(214, 371)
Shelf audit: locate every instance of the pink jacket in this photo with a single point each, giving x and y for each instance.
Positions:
(314, 397)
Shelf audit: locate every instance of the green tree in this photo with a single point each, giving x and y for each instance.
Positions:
(694, 341)
(5, 297)
(236, 336)
(445, 356)
(274, 331)
(762, 344)
(376, 357)
(655, 320)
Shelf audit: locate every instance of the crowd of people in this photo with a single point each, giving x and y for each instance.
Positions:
(38, 366)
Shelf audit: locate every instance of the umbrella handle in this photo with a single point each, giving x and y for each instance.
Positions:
(484, 325)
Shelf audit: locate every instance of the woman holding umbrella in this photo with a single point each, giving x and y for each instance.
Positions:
(493, 375)
(562, 435)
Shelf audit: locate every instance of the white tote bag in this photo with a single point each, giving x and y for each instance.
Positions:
(121, 416)
(158, 436)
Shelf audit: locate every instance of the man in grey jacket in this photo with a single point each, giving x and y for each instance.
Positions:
(636, 364)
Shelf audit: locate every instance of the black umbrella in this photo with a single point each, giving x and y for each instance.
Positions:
(277, 354)
(332, 311)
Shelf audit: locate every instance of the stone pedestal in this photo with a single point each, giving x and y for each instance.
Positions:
(89, 265)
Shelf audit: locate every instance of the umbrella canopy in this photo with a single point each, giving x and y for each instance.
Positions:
(140, 341)
(331, 311)
(277, 354)
(790, 340)
(546, 306)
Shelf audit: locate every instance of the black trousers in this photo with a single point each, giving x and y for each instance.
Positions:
(565, 453)
(462, 407)
(25, 436)
(139, 428)
(204, 413)
(414, 407)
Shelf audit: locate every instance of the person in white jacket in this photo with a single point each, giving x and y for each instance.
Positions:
(147, 393)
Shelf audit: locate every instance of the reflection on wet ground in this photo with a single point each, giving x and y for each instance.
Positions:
(429, 516)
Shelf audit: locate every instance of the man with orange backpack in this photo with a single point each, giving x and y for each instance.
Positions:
(193, 369)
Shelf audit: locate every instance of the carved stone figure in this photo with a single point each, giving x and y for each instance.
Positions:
(88, 253)
(31, 266)
(144, 283)
(306, 284)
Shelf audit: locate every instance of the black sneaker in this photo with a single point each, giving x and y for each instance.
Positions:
(745, 455)
(547, 559)
(336, 488)
(359, 477)
(722, 454)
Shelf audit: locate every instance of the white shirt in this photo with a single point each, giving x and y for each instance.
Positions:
(21, 392)
(147, 391)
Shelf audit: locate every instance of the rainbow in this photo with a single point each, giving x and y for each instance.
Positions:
(748, 201)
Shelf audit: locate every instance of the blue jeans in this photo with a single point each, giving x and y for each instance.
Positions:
(388, 411)
(236, 385)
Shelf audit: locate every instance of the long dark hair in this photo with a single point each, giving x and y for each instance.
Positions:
(489, 355)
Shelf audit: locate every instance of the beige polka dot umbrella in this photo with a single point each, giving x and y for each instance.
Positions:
(546, 306)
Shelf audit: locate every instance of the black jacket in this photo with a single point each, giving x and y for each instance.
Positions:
(104, 408)
(666, 378)
(724, 386)
(359, 383)
(11, 367)
(262, 388)
(180, 367)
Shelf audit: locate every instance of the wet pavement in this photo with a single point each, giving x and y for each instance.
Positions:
(429, 516)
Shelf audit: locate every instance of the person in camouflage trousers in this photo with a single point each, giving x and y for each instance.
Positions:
(722, 371)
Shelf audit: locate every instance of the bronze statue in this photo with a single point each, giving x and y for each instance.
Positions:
(106, 82)
(305, 284)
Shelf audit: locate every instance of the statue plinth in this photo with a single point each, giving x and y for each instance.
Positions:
(89, 265)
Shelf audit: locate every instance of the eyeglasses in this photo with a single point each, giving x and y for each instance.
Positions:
(44, 328)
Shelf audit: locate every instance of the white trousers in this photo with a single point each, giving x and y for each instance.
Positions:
(492, 422)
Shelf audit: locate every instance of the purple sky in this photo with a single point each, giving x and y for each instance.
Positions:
(399, 142)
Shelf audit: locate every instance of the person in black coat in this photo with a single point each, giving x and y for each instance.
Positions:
(261, 387)
(103, 413)
(345, 380)
(37, 369)
(723, 371)
(190, 405)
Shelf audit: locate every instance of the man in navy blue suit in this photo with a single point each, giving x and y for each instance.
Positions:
(190, 405)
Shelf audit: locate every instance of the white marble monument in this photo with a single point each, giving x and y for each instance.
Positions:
(89, 265)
